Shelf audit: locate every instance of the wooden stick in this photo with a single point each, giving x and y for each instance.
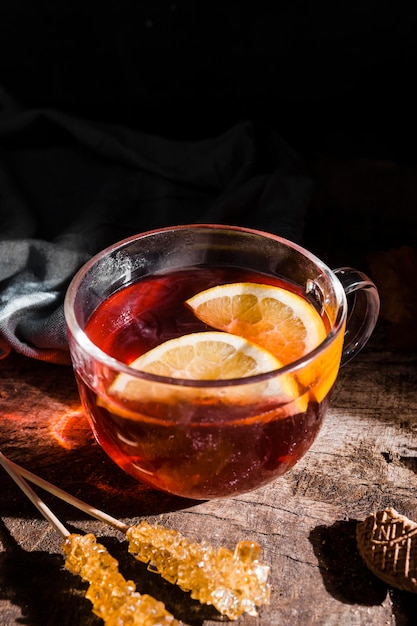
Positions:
(66, 497)
(33, 497)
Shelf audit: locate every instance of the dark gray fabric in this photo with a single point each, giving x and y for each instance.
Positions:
(69, 187)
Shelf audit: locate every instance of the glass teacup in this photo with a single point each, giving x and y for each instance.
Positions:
(196, 438)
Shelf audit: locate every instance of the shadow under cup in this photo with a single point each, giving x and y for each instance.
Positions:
(211, 439)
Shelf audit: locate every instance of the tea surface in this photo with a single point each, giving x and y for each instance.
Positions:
(194, 447)
(153, 310)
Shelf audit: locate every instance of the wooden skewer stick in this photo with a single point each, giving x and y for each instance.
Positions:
(33, 497)
(66, 497)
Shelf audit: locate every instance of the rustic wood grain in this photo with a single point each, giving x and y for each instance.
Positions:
(364, 459)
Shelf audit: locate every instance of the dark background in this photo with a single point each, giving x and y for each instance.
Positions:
(334, 79)
(328, 75)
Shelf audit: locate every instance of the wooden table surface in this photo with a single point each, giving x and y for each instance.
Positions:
(364, 459)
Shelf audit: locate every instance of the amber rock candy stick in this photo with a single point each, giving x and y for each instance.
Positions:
(114, 599)
(234, 582)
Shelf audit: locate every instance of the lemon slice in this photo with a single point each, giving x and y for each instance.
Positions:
(205, 356)
(276, 319)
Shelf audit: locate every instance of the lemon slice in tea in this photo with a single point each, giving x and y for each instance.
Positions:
(205, 356)
(277, 319)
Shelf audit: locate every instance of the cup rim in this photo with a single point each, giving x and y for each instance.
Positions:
(105, 359)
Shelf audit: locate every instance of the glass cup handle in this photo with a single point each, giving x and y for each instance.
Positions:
(363, 310)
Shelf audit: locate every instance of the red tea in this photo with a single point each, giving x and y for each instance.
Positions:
(198, 448)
